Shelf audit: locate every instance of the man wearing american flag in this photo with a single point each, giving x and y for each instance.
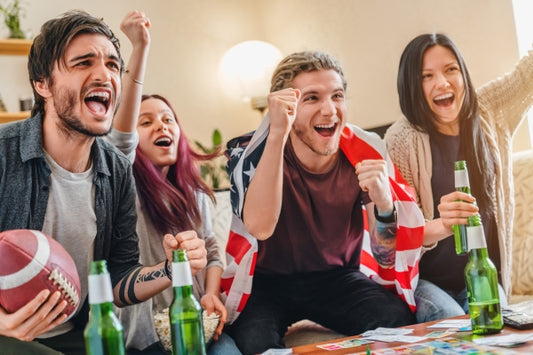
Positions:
(307, 190)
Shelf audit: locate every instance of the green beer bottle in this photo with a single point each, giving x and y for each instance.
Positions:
(186, 328)
(103, 333)
(481, 280)
(461, 184)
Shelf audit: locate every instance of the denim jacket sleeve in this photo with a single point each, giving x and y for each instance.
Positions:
(116, 240)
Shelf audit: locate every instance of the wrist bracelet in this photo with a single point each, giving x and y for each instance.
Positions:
(385, 219)
(168, 270)
(127, 71)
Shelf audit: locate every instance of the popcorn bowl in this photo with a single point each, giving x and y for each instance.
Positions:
(162, 327)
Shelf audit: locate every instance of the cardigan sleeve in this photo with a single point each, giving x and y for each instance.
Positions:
(398, 140)
(509, 97)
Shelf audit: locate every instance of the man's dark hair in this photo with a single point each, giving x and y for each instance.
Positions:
(49, 46)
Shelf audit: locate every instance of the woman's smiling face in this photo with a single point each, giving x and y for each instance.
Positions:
(159, 133)
(444, 88)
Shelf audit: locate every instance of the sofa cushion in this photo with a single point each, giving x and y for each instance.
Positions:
(522, 278)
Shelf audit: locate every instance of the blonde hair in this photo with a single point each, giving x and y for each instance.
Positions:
(301, 62)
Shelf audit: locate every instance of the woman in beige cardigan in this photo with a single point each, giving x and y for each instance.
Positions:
(447, 120)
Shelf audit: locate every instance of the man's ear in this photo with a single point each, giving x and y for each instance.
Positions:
(42, 88)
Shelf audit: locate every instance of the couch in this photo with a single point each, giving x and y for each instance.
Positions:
(305, 332)
(522, 278)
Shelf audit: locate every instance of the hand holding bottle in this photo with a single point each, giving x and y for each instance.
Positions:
(455, 208)
(194, 246)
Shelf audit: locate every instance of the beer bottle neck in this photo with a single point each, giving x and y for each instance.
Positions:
(478, 254)
(183, 291)
(101, 309)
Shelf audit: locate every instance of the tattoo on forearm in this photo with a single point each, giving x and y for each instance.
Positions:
(121, 293)
(150, 276)
(383, 243)
(131, 287)
(127, 287)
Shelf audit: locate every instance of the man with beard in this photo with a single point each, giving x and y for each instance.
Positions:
(298, 188)
(58, 176)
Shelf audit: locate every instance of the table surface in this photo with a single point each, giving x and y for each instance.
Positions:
(418, 330)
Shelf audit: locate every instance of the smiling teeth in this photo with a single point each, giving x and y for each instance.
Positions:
(102, 94)
(443, 97)
(331, 125)
(162, 140)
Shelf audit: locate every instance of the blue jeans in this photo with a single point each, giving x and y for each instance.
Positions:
(223, 346)
(433, 303)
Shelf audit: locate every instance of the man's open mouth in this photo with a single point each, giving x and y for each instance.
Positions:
(326, 130)
(98, 101)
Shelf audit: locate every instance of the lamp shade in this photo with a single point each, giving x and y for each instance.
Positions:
(246, 69)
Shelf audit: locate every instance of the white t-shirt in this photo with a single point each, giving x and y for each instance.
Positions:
(71, 220)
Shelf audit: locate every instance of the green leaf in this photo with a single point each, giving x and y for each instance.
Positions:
(204, 171)
(217, 138)
(201, 146)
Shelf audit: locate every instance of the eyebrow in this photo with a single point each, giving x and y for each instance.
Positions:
(315, 92)
(455, 62)
(92, 55)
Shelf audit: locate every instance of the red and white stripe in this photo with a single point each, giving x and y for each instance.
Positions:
(357, 145)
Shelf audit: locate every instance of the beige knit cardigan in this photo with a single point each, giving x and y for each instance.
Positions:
(503, 104)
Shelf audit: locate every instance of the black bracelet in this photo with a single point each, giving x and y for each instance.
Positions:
(387, 219)
(168, 270)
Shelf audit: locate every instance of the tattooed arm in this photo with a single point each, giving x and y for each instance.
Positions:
(374, 179)
(143, 282)
(382, 236)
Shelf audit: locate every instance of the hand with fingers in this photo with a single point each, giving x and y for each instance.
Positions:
(38, 316)
(135, 26)
(212, 304)
(282, 106)
(455, 208)
(195, 247)
(374, 178)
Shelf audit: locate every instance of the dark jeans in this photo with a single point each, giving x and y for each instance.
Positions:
(343, 300)
(71, 343)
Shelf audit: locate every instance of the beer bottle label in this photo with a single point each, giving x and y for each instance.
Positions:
(100, 290)
(475, 237)
(461, 178)
(181, 274)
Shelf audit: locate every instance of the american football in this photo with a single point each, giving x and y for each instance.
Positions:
(31, 261)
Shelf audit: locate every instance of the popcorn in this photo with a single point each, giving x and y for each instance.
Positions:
(162, 327)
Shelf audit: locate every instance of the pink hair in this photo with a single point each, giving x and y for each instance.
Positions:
(170, 201)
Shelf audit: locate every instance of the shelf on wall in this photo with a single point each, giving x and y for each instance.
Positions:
(15, 46)
(13, 116)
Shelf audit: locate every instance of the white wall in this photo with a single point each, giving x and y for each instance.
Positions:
(189, 38)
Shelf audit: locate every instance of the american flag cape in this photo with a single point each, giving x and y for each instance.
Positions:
(357, 145)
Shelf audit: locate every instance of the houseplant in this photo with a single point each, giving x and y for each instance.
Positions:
(12, 14)
(214, 171)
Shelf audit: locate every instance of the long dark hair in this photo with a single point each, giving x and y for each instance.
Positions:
(170, 201)
(473, 145)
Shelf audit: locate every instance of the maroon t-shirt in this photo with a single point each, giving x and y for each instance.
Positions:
(321, 224)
